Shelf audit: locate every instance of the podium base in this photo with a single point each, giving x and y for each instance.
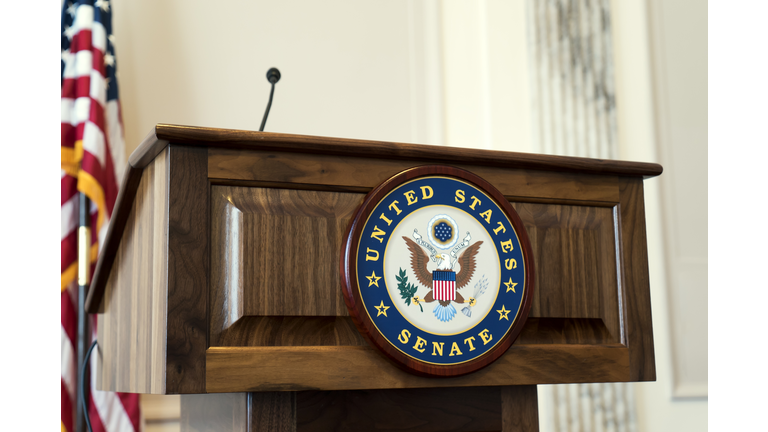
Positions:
(510, 408)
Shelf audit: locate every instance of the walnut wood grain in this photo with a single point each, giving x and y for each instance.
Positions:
(154, 328)
(529, 172)
(123, 205)
(132, 325)
(282, 245)
(147, 150)
(575, 257)
(361, 171)
(252, 140)
(188, 263)
(519, 409)
(577, 331)
(574, 249)
(430, 409)
(592, 319)
(272, 412)
(237, 369)
(289, 331)
(635, 281)
(256, 331)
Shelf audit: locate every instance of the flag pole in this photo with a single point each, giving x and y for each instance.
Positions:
(83, 280)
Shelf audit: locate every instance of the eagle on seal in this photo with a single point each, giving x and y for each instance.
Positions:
(444, 310)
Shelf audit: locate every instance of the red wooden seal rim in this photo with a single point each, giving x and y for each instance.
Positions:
(349, 274)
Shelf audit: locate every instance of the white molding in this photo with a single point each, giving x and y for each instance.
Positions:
(690, 391)
(485, 71)
(466, 72)
(680, 102)
(426, 72)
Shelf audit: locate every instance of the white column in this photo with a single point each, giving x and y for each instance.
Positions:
(573, 113)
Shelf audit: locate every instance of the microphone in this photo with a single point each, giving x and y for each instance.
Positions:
(273, 76)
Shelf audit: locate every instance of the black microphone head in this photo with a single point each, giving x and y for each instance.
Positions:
(273, 75)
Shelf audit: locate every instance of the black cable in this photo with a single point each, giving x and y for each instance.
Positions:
(82, 386)
(269, 105)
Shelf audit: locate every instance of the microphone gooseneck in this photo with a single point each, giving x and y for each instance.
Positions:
(273, 76)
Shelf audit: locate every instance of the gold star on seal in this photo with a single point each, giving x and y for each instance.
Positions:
(383, 309)
(373, 279)
(510, 286)
(503, 312)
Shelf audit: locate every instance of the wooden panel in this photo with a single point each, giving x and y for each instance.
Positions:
(349, 368)
(154, 329)
(290, 331)
(149, 147)
(283, 245)
(131, 329)
(117, 225)
(272, 412)
(635, 283)
(188, 261)
(261, 236)
(588, 331)
(575, 256)
(226, 412)
(443, 409)
(367, 172)
(428, 409)
(519, 409)
(341, 331)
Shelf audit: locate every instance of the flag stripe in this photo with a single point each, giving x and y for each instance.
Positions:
(115, 140)
(68, 250)
(68, 364)
(68, 315)
(97, 425)
(444, 285)
(68, 217)
(130, 404)
(67, 409)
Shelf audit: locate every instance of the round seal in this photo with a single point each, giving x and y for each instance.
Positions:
(437, 271)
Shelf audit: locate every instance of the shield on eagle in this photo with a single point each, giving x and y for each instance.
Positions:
(444, 285)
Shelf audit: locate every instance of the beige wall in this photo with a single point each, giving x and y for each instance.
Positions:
(450, 73)
(346, 66)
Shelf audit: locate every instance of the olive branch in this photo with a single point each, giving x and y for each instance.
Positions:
(407, 290)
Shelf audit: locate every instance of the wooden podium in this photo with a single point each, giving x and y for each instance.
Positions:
(219, 280)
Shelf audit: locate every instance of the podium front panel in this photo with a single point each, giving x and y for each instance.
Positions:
(224, 274)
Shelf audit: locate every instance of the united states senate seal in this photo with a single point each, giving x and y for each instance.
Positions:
(437, 271)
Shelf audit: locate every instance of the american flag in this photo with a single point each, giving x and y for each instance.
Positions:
(92, 160)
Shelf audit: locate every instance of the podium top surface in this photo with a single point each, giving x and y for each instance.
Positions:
(163, 134)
